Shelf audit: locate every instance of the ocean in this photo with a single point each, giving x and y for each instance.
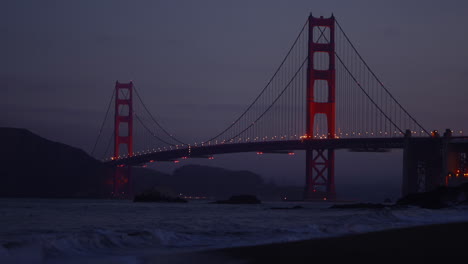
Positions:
(117, 231)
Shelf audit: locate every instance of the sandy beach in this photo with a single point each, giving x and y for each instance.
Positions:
(440, 242)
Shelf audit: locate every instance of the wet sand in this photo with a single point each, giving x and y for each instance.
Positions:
(441, 242)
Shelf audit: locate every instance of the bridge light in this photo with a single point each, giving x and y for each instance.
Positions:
(176, 161)
(259, 153)
(151, 161)
(211, 158)
(291, 153)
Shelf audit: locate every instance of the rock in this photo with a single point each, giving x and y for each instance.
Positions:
(240, 199)
(156, 196)
(441, 197)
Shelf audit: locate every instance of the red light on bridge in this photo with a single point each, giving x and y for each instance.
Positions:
(211, 158)
(184, 158)
(259, 153)
(176, 161)
(291, 153)
(151, 161)
(324, 198)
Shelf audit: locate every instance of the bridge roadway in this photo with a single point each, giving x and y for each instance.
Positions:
(282, 146)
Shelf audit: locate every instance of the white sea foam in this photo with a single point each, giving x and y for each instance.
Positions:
(58, 231)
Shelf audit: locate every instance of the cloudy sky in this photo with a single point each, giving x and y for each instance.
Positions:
(198, 63)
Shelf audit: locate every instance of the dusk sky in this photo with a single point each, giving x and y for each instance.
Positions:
(199, 63)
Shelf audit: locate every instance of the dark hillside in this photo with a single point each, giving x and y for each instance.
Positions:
(31, 166)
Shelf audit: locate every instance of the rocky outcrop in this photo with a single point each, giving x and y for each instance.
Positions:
(441, 197)
(155, 195)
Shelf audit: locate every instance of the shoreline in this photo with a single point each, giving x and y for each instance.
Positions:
(427, 242)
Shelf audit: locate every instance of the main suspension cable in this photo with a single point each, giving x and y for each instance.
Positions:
(273, 103)
(264, 89)
(378, 80)
(155, 121)
(103, 123)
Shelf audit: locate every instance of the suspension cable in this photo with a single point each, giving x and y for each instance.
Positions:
(273, 103)
(367, 95)
(155, 121)
(364, 91)
(264, 89)
(103, 123)
(378, 80)
(149, 130)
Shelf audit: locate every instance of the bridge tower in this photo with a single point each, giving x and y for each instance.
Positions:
(320, 163)
(123, 136)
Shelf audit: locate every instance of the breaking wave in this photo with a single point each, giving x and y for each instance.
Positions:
(167, 229)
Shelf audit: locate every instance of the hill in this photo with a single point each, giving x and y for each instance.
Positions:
(219, 183)
(32, 166)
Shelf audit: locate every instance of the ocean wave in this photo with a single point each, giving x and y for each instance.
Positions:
(204, 229)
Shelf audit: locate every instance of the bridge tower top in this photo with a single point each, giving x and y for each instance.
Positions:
(123, 122)
(314, 74)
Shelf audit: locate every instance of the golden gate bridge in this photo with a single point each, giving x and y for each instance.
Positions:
(322, 97)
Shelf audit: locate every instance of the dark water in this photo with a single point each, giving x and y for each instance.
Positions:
(109, 231)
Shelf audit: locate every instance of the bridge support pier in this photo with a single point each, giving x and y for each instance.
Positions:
(427, 166)
(122, 182)
(320, 174)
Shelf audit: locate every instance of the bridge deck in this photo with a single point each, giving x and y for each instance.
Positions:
(358, 144)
